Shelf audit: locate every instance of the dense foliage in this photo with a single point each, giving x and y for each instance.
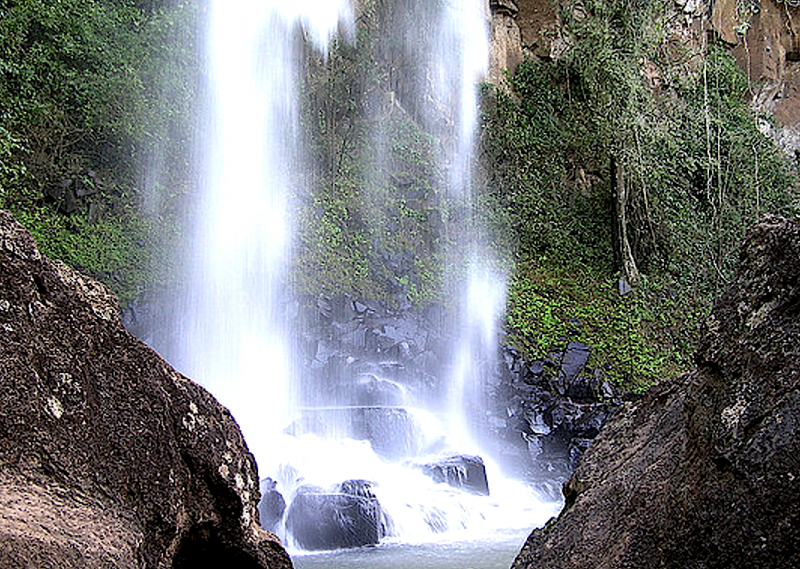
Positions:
(677, 131)
(93, 93)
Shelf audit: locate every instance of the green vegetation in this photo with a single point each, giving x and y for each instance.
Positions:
(90, 92)
(371, 214)
(625, 158)
(638, 339)
(599, 170)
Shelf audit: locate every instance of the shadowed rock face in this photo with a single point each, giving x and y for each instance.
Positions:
(704, 471)
(109, 457)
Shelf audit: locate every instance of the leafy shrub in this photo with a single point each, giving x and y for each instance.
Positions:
(92, 91)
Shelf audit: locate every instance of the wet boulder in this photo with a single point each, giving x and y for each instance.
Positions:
(370, 390)
(272, 505)
(348, 516)
(459, 471)
(393, 432)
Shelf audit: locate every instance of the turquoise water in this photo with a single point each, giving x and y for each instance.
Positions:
(495, 552)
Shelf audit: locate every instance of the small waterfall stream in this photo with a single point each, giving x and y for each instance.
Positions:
(403, 460)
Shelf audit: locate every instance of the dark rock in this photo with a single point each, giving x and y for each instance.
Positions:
(342, 339)
(95, 213)
(350, 516)
(272, 505)
(64, 196)
(372, 391)
(703, 470)
(573, 361)
(110, 458)
(360, 308)
(538, 425)
(562, 402)
(534, 447)
(435, 316)
(459, 471)
(324, 307)
(73, 194)
(588, 424)
(536, 369)
(342, 309)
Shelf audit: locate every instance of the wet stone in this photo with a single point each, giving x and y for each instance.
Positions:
(459, 471)
(348, 516)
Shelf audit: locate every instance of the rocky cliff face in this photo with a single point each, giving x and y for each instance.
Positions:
(703, 472)
(108, 457)
(521, 28)
(762, 36)
(770, 54)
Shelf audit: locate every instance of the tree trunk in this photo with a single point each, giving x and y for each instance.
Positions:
(623, 254)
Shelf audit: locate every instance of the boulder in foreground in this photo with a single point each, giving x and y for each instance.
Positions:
(109, 457)
(704, 472)
(349, 516)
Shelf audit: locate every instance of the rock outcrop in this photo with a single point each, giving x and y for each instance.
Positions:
(521, 28)
(506, 42)
(459, 471)
(108, 457)
(553, 407)
(704, 471)
(762, 36)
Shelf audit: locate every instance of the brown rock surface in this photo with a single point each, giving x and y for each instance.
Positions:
(725, 19)
(506, 43)
(766, 46)
(109, 457)
(704, 472)
(540, 27)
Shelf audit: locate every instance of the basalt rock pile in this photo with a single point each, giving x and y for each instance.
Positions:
(553, 407)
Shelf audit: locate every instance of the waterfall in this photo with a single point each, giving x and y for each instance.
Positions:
(367, 443)
(234, 339)
(461, 61)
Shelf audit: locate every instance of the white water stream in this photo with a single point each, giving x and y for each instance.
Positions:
(235, 340)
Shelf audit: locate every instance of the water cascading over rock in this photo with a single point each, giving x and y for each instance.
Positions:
(233, 337)
(362, 414)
